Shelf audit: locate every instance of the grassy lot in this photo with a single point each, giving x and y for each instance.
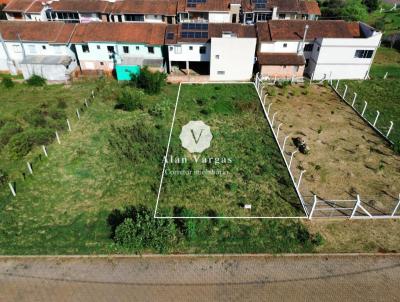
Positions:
(386, 60)
(101, 166)
(388, 22)
(255, 172)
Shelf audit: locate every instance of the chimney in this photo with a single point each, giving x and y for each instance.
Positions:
(300, 50)
(274, 13)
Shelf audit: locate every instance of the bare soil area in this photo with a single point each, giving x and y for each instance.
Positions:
(346, 156)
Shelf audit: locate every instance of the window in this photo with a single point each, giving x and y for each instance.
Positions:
(178, 49)
(126, 49)
(190, 47)
(318, 48)
(150, 49)
(85, 48)
(17, 48)
(282, 16)
(32, 48)
(308, 47)
(98, 46)
(220, 72)
(137, 47)
(171, 48)
(43, 46)
(101, 63)
(284, 45)
(263, 17)
(134, 18)
(217, 57)
(364, 54)
(203, 49)
(110, 49)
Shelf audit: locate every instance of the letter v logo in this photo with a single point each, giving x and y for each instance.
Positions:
(194, 136)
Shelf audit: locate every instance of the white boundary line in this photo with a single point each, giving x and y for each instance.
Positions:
(165, 163)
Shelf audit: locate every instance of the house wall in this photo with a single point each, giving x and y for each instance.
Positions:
(278, 46)
(335, 58)
(219, 17)
(153, 18)
(49, 72)
(186, 54)
(232, 59)
(281, 71)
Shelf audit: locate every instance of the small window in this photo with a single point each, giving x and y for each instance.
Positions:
(284, 45)
(98, 47)
(17, 48)
(308, 47)
(137, 47)
(190, 47)
(43, 47)
(220, 72)
(203, 49)
(282, 16)
(171, 48)
(101, 63)
(178, 49)
(318, 48)
(110, 49)
(32, 49)
(85, 48)
(150, 49)
(126, 49)
(217, 57)
(364, 54)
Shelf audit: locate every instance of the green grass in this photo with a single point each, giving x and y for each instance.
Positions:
(388, 22)
(386, 60)
(256, 174)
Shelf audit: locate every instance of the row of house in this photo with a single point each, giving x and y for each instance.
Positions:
(162, 11)
(222, 51)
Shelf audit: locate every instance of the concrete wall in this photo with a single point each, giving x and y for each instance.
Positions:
(280, 71)
(183, 53)
(49, 72)
(219, 17)
(232, 59)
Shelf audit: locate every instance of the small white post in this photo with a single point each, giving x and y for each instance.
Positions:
(291, 158)
(277, 131)
(274, 79)
(300, 177)
(396, 208)
(44, 150)
(292, 80)
(312, 77)
(337, 85)
(77, 114)
(58, 138)
(390, 129)
(377, 116)
(330, 78)
(29, 167)
(356, 206)
(12, 189)
(313, 207)
(92, 94)
(284, 143)
(273, 119)
(86, 103)
(265, 98)
(354, 99)
(269, 107)
(262, 88)
(344, 93)
(69, 126)
(385, 76)
(365, 107)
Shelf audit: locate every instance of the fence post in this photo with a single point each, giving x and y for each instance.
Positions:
(92, 94)
(356, 206)
(12, 189)
(385, 76)
(291, 158)
(354, 99)
(265, 98)
(58, 138)
(273, 119)
(344, 93)
(313, 207)
(77, 114)
(300, 177)
(269, 106)
(86, 103)
(390, 129)
(29, 167)
(277, 131)
(365, 107)
(330, 78)
(337, 85)
(284, 143)
(69, 126)
(396, 208)
(44, 150)
(377, 115)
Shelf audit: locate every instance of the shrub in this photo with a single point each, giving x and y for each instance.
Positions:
(21, 143)
(35, 118)
(150, 82)
(7, 82)
(129, 100)
(8, 131)
(36, 80)
(3, 177)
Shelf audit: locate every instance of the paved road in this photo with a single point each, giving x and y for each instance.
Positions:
(186, 278)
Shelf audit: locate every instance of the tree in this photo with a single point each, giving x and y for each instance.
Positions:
(150, 82)
(354, 10)
(372, 5)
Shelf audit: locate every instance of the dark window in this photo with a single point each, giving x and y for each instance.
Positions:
(203, 49)
(98, 47)
(134, 18)
(137, 47)
(150, 49)
(285, 45)
(101, 63)
(190, 47)
(85, 48)
(110, 49)
(364, 54)
(44, 46)
(282, 16)
(170, 36)
(318, 48)
(308, 47)
(126, 49)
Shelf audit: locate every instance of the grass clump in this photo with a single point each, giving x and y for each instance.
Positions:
(36, 81)
(7, 82)
(151, 82)
(129, 99)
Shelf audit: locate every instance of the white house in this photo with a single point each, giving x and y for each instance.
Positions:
(212, 11)
(40, 48)
(292, 48)
(223, 51)
(100, 47)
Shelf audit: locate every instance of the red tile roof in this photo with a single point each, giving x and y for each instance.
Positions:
(208, 6)
(84, 6)
(286, 30)
(310, 8)
(354, 28)
(156, 7)
(51, 32)
(36, 7)
(284, 6)
(148, 33)
(18, 5)
(271, 58)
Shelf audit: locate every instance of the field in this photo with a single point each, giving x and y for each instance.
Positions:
(242, 166)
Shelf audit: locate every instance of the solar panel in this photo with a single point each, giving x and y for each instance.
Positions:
(170, 36)
(195, 26)
(194, 34)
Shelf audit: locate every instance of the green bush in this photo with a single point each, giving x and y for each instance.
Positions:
(35, 118)
(36, 80)
(21, 143)
(7, 82)
(3, 177)
(129, 99)
(8, 130)
(150, 82)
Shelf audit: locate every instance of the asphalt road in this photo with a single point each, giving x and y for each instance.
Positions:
(206, 278)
